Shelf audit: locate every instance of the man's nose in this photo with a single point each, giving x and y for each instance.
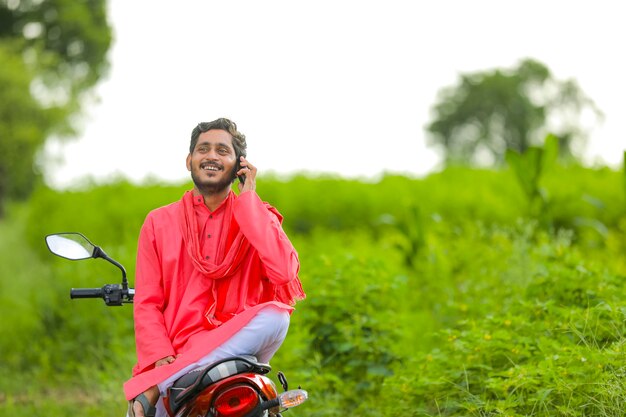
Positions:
(212, 154)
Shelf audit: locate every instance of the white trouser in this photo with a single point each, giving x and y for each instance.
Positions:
(261, 337)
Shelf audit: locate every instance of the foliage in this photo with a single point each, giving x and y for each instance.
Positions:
(65, 42)
(349, 325)
(433, 296)
(489, 112)
(52, 53)
(555, 346)
(529, 167)
(21, 124)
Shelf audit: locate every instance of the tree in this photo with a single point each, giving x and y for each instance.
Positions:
(489, 112)
(52, 52)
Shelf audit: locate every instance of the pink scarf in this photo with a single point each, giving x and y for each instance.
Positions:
(235, 246)
(235, 243)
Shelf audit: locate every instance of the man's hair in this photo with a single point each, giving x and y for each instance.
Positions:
(239, 139)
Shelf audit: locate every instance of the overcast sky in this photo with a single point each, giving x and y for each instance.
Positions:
(338, 86)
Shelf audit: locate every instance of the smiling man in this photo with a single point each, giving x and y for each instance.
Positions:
(216, 275)
(212, 161)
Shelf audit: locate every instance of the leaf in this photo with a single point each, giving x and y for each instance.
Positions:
(550, 151)
(527, 168)
(515, 161)
(624, 168)
(379, 370)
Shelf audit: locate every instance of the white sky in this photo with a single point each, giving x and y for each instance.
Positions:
(337, 86)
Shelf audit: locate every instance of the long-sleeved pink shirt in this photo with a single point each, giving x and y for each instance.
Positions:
(180, 309)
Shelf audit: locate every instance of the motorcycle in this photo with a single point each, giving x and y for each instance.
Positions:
(233, 387)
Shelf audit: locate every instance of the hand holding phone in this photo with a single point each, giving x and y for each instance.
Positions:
(246, 173)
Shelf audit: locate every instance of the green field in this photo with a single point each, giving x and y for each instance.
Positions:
(457, 294)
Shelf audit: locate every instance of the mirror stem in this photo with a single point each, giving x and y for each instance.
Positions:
(99, 253)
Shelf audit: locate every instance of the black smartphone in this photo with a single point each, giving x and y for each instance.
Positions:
(242, 178)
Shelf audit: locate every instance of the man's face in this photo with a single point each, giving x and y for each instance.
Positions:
(212, 162)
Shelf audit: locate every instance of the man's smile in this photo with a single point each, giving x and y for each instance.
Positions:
(211, 166)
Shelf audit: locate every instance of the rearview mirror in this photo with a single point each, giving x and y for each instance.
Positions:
(73, 246)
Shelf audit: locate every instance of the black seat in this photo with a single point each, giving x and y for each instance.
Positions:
(197, 380)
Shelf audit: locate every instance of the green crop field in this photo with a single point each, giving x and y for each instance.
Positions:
(465, 293)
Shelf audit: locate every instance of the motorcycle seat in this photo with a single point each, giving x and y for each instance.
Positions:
(197, 380)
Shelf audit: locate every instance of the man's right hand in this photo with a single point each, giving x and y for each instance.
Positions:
(164, 361)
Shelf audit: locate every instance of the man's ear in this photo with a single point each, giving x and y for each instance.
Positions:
(189, 162)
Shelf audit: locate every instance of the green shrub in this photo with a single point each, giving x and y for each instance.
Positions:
(554, 347)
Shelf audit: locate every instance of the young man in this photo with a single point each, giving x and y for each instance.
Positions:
(216, 275)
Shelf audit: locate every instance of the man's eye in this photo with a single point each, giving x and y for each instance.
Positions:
(223, 151)
(202, 149)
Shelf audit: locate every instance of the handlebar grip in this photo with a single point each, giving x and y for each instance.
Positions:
(86, 293)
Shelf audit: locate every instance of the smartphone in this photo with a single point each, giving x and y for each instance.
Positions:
(242, 178)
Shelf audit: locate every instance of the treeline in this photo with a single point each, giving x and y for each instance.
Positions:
(457, 195)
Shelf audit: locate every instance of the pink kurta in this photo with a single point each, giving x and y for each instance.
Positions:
(201, 276)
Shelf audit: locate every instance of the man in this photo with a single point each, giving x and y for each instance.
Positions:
(216, 276)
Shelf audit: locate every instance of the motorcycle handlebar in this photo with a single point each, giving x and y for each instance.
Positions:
(112, 294)
(86, 293)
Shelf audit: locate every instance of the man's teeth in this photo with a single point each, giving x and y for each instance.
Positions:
(211, 168)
